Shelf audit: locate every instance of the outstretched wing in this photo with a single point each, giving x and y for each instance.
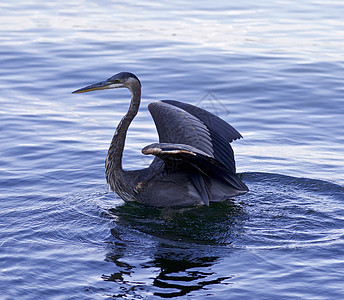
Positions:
(213, 122)
(181, 123)
(177, 126)
(206, 166)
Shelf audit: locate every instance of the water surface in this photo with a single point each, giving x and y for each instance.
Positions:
(272, 70)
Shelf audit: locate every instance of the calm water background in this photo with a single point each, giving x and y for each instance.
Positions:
(274, 70)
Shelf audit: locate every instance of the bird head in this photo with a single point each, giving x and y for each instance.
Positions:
(120, 80)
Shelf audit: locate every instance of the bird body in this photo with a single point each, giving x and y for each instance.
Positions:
(194, 161)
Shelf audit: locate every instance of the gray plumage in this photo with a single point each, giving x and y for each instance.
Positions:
(194, 161)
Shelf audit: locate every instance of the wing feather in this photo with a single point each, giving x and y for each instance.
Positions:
(183, 123)
(206, 165)
(210, 120)
(177, 126)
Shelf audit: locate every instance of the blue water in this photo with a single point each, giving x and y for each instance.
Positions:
(272, 70)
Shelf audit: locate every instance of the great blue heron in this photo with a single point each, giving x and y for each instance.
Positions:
(194, 161)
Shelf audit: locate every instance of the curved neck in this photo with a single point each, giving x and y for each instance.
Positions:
(114, 157)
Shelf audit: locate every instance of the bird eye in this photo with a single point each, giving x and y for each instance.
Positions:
(116, 81)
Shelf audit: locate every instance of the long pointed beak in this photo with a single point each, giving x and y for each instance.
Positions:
(97, 86)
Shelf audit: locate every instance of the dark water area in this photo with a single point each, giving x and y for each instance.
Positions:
(272, 70)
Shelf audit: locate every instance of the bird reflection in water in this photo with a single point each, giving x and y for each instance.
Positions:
(184, 275)
(175, 248)
(180, 273)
